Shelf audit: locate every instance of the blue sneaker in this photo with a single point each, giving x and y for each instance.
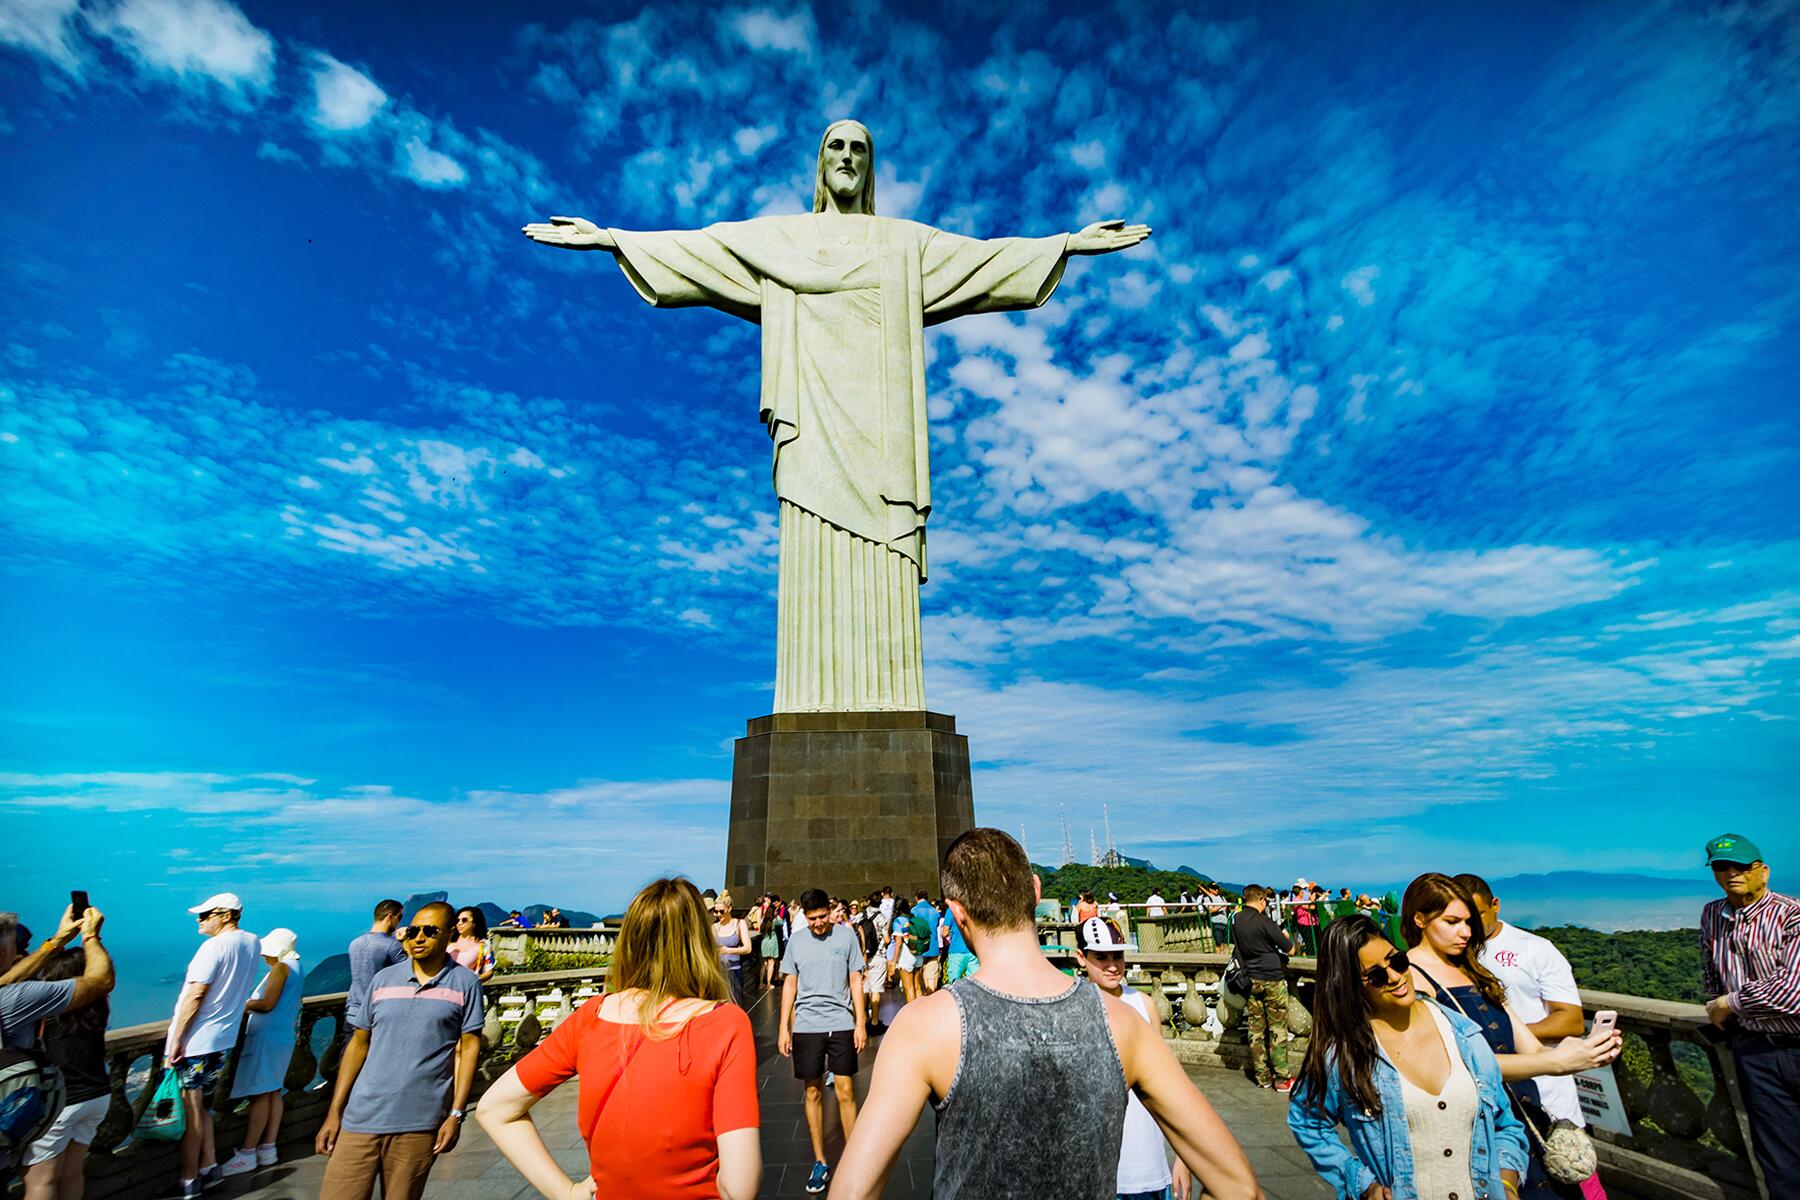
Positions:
(815, 1183)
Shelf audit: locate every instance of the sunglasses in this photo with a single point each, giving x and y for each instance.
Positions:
(419, 931)
(206, 916)
(1397, 962)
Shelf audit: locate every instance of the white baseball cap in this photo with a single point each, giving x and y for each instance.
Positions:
(1097, 933)
(278, 943)
(225, 900)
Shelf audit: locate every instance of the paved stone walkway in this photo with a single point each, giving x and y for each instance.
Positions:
(475, 1170)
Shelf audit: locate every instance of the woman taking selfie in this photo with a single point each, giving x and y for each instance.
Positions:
(668, 1101)
(1438, 922)
(1416, 1087)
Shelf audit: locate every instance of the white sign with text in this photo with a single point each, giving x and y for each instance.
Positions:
(1601, 1105)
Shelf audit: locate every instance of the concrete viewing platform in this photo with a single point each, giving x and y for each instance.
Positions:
(476, 1171)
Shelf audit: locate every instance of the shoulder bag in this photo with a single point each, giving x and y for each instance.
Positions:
(1566, 1150)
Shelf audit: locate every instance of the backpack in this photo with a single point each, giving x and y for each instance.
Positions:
(31, 1095)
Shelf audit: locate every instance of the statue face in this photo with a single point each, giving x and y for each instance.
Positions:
(846, 161)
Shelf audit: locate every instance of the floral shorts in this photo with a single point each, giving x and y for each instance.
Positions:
(200, 1073)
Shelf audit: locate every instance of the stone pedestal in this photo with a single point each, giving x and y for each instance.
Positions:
(848, 802)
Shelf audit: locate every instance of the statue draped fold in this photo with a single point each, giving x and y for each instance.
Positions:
(843, 304)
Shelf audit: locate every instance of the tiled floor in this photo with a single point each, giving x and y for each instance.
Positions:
(475, 1170)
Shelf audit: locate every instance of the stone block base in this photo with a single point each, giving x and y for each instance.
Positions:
(848, 802)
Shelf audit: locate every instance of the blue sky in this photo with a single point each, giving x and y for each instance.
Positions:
(1423, 495)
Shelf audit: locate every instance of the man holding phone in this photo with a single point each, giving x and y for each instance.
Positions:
(1750, 969)
(24, 1001)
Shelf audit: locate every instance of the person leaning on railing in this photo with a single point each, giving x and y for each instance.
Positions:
(1750, 964)
(688, 1124)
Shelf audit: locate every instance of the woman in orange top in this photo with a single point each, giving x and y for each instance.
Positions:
(668, 1070)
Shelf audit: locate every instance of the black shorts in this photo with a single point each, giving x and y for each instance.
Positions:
(812, 1051)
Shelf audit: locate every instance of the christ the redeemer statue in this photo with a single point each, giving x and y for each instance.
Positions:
(843, 297)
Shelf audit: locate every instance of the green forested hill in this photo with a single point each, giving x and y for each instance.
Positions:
(1133, 884)
(1663, 964)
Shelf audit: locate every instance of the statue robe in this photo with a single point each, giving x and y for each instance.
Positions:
(843, 304)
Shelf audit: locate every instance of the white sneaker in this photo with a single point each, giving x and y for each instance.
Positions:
(241, 1163)
(265, 1156)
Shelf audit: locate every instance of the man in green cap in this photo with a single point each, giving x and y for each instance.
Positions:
(1750, 963)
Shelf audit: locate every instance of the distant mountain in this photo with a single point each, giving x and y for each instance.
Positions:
(1625, 883)
(1598, 900)
(535, 913)
(1195, 874)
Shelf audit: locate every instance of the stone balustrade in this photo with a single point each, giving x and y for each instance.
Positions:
(515, 949)
(1687, 1141)
(519, 1010)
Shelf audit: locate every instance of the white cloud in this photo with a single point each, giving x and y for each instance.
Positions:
(637, 828)
(430, 168)
(344, 99)
(765, 29)
(1360, 283)
(45, 27)
(751, 139)
(193, 40)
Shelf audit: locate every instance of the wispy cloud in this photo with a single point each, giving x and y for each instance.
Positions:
(198, 43)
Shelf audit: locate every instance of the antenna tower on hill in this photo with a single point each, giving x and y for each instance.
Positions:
(1093, 847)
(1068, 858)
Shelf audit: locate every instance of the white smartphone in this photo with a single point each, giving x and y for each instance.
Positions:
(1605, 1021)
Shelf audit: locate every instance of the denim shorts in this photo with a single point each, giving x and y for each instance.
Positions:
(200, 1073)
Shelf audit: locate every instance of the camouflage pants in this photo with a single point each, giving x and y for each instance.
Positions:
(1267, 1013)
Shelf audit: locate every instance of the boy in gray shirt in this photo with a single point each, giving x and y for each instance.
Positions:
(822, 1019)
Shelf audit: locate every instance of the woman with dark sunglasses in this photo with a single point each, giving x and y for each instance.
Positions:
(1416, 1087)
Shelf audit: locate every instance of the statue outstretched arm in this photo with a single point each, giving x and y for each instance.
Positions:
(1104, 237)
(571, 233)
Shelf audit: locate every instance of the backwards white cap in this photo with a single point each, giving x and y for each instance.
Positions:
(1098, 933)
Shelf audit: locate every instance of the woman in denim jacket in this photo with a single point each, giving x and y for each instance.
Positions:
(1424, 1124)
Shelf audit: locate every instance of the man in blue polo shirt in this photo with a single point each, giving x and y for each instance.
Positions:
(399, 1099)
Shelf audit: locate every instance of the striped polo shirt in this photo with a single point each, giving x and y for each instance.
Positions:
(1752, 958)
(405, 1082)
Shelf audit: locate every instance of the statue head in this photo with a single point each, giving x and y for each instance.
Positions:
(846, 167)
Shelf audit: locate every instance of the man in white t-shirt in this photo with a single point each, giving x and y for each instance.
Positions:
(1541, 991)
(1155, 905)
(205, 1026)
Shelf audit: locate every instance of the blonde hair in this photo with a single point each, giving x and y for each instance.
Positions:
(822, 194)
(666, 951)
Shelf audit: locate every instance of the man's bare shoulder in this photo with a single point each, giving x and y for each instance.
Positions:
(927, 1017)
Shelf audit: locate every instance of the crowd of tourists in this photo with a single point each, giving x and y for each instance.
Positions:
(1303, 910)
(1439, 1063)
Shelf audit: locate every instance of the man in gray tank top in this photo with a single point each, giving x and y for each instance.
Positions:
(1027, 1069)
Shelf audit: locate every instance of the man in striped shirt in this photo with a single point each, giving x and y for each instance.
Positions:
(1750, 961)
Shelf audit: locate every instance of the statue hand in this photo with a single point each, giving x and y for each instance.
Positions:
(571, 233)
(1103, 237)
